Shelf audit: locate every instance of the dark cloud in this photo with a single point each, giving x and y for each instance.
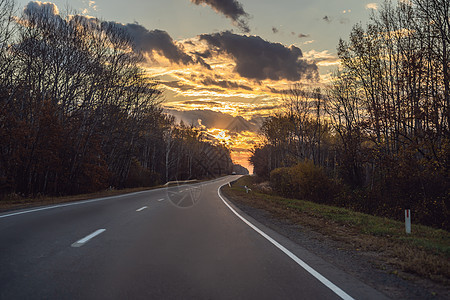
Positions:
(231, 9)
(205, 54)
(142, 39)
(179, 85)
(202, 62)
(274, 30)
(226, 84)
(217, 80)
(302, 35)
(200, 57)
(276, 91)
(327, 19)
(155, 40)
(214, 119)
(160, 41)
(200, 102)
(341, 20)
(264, 107)
(258, 59)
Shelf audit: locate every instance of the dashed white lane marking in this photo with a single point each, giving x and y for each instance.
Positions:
(300, 262)
(162, 199)
(84, 240)
(142, 208)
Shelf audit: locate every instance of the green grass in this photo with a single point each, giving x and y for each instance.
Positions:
(432, 239)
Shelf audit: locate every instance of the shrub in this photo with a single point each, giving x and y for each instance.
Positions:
(311, 182)
(139, 176)
(303, 181)
(281, 182)
(6, 187)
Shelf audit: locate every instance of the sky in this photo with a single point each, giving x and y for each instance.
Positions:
(223, 63)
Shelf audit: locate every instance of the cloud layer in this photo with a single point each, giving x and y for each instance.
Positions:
(259, 59)
(47, 9)
(253, 58)
(232, 9)
(214, 119)
(155, 40)
(372, 6)
(142, 39)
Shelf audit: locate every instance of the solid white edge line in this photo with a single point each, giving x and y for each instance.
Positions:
(300, 262)
(142, 208)
(87, 238)
(162, 199)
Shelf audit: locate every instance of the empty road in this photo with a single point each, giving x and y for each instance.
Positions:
(181, 242)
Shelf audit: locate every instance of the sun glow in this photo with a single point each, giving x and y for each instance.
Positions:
(230, 107)
(220, 135)
(239, 143)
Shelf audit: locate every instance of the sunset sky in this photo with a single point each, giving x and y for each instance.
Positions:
(222, 63)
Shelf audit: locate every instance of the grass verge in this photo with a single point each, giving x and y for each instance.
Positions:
(425, 252)
(14, 202)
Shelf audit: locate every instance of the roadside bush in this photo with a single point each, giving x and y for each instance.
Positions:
(139, 176)
(6, 187)
(303, 181)
(420, 186)
(281, 182)
(405, 182)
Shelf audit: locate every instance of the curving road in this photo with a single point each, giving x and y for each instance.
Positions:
(182, 242)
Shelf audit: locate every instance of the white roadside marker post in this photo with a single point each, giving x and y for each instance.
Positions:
(408, 221)
(247, 189)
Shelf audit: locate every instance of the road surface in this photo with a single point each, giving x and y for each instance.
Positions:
(181, 242)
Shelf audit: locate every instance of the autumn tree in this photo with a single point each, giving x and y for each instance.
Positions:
(77, 111)
(386, 126)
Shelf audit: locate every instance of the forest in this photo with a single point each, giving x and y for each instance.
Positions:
(78, 114)
(377, 138)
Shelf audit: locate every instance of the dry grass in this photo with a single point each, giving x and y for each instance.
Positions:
(425, 252)
(13, 201)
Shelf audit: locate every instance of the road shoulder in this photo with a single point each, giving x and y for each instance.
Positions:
(362, 265)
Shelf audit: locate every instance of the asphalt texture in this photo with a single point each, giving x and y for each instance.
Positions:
(179, 242)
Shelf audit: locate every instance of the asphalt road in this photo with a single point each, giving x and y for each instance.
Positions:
(182, 242)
